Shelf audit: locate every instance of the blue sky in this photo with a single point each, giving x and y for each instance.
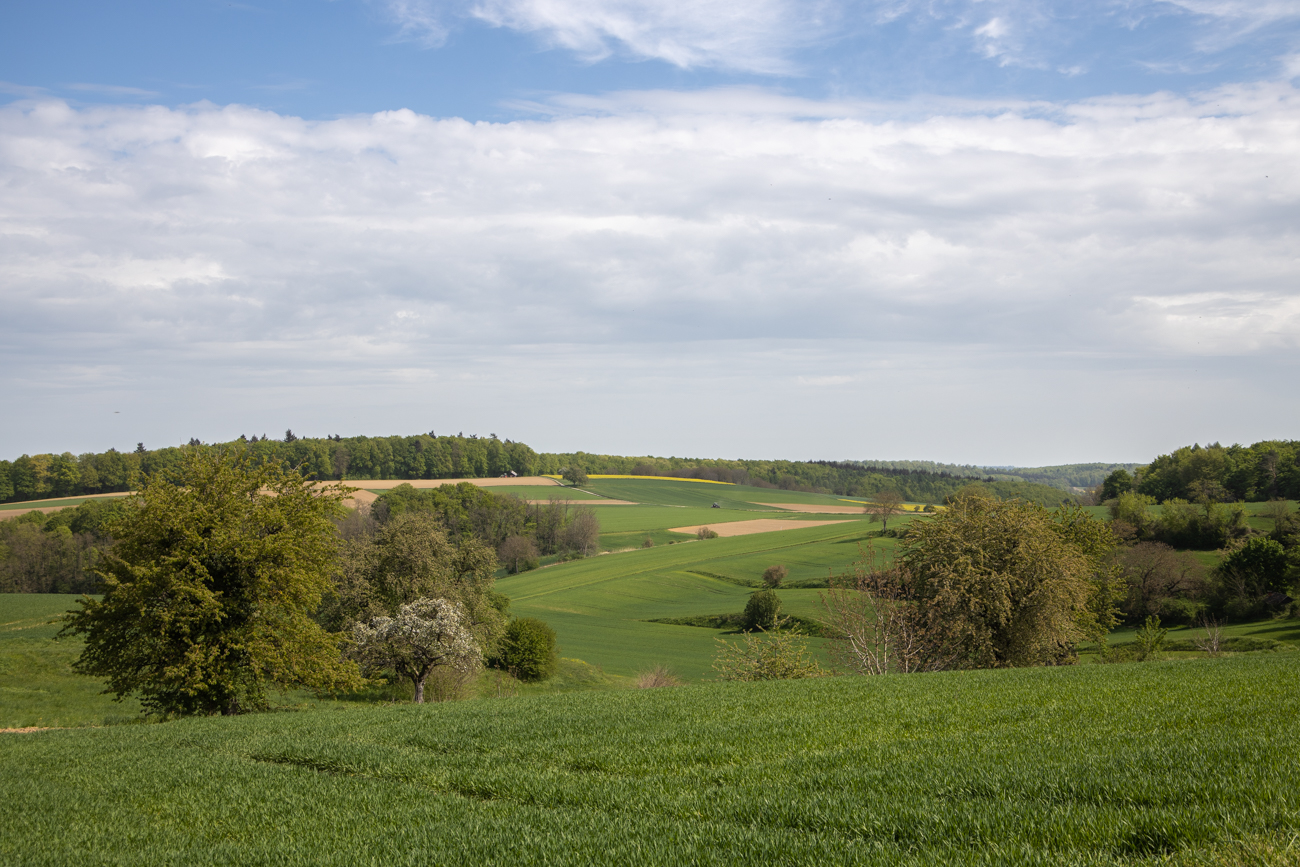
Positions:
(1001, 232)
(325, 58)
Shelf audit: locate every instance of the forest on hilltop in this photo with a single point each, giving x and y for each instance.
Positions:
(1261, 471)
(428, 456)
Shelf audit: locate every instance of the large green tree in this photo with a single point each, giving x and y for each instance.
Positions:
(1007, 583)
(209, 591)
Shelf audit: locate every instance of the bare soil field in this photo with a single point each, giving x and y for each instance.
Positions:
(815, 509)
(746, 528)
(359, 497)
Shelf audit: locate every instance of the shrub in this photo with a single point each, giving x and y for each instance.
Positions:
(762, 610)
(648, 543)
(772, 656)
(528, 650)
(1148, 640)
(706, 533)
(656, 677)
(773, 576)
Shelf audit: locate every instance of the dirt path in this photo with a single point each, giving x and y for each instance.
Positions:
(746, 528)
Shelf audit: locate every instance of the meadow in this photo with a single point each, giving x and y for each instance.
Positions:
(37, 684)
(1188, 761)
(1173, 763)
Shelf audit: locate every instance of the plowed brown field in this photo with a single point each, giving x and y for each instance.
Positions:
(746, 528)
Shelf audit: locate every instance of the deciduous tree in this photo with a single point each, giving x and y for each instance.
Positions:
(426, 634)
(210, 589)
(884, 506)
(575, 475)
(762, 610)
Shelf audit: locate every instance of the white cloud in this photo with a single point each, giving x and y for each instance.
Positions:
(766, 36)
(752, 250)
(751, 36)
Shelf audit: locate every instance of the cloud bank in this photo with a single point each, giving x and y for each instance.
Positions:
(663, 266)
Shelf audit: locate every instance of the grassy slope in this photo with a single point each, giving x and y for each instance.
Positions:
(598, 606)
(37, 685)
(1098, 765)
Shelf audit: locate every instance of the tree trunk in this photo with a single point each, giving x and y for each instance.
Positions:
(419, 679)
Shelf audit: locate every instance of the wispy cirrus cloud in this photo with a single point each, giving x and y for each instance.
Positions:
(772, 37)
(113, 90)
(22, 90)
(757, 36)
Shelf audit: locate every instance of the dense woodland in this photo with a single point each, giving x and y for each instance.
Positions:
(1264, 471)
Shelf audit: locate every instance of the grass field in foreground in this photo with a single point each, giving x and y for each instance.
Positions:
(1179, 763)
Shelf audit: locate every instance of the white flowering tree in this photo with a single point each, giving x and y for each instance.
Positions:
(425, 635)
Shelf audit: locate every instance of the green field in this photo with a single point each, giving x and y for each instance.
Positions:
(598, 606)
(665, 493)
(37, 685)
(1176, 763)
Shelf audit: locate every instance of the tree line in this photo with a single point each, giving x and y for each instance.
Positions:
(426, 456)
(1063, 476)
(57, 552)
(429, 456)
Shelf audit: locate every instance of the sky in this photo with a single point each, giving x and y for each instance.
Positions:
(1001, 232)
